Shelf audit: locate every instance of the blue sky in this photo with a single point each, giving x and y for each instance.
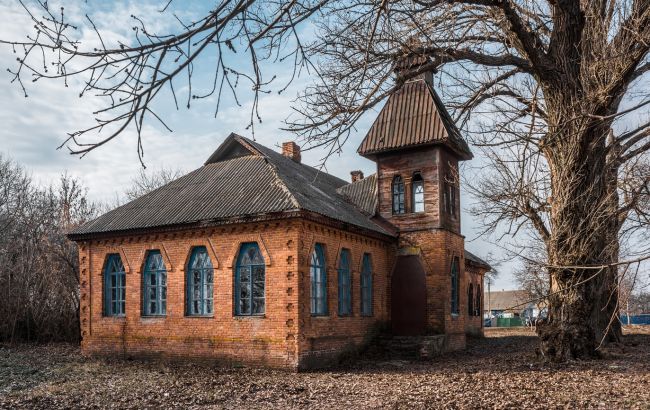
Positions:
(34, 127)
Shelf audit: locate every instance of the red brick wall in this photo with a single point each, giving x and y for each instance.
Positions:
(286, 336)
(269, 340)
(323, 338)
(437, 249)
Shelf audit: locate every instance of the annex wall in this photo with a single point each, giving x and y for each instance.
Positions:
(474, 322)
(325, 339)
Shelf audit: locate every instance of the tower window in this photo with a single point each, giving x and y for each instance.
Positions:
(418, 193)
(398, 195)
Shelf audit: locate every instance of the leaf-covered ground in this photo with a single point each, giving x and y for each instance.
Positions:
(499, 371)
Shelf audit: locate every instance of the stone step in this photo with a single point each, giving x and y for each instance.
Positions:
(412, 347)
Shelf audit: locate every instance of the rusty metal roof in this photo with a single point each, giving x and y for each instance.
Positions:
(413, 116)
(241, 179)
(475, 260)
(363, 194)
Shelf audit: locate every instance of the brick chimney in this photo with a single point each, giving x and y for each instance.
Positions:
(356, 175)
(291, 150)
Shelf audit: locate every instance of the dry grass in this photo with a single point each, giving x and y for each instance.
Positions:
(500, 371)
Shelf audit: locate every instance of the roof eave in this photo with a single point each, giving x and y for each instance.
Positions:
(295, 213)
(462, 154)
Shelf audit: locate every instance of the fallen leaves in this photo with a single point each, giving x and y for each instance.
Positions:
(499, 371)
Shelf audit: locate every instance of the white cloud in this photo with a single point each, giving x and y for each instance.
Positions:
(33, 127)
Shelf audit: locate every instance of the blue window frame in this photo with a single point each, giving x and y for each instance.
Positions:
(470, 300)
(399, 206)
(154, 285)
(250, 281)
(318, 278)
(199, 283)
(454, 286)
(345, 284)
(366, 285)
(114, 286)
(479, 307)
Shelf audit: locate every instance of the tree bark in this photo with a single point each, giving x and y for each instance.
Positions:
(583, 247)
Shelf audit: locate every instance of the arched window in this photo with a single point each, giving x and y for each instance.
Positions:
(250, 281)
(154, 285)
(318, 278)
(345, 284)
(114, 286)
(398, 195)
(454, 286)
(470, 300)
(478, 307)
(366, 286)
(418, 193)
(200, 283)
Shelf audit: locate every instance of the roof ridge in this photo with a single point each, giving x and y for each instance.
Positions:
(260, 147)
(282, 185)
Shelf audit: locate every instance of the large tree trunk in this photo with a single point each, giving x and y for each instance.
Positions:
(584, 241)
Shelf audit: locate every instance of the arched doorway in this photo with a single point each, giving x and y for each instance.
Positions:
(408, 297)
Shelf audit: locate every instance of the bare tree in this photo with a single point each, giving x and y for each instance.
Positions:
(545, 88)
(533, 277)
(147, 181)
(39, 276)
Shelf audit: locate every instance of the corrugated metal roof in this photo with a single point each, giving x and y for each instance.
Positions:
(231, 186)
(469, 256)
(363, 194)
(413, 116)
(513, 300)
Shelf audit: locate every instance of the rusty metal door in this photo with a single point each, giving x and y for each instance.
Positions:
(408, 297)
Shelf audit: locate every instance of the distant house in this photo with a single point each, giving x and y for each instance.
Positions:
(508, 303)
(257, 258)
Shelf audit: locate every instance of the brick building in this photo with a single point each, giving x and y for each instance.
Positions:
(257, 258)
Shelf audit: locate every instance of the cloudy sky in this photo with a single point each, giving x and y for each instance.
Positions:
(33, 127)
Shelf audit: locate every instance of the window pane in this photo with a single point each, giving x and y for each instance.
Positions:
(258, 290)
(244, 306)
(258, 306)
(258, 273)
(244, 274)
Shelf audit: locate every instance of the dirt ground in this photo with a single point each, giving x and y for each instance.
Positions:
(499, 371)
